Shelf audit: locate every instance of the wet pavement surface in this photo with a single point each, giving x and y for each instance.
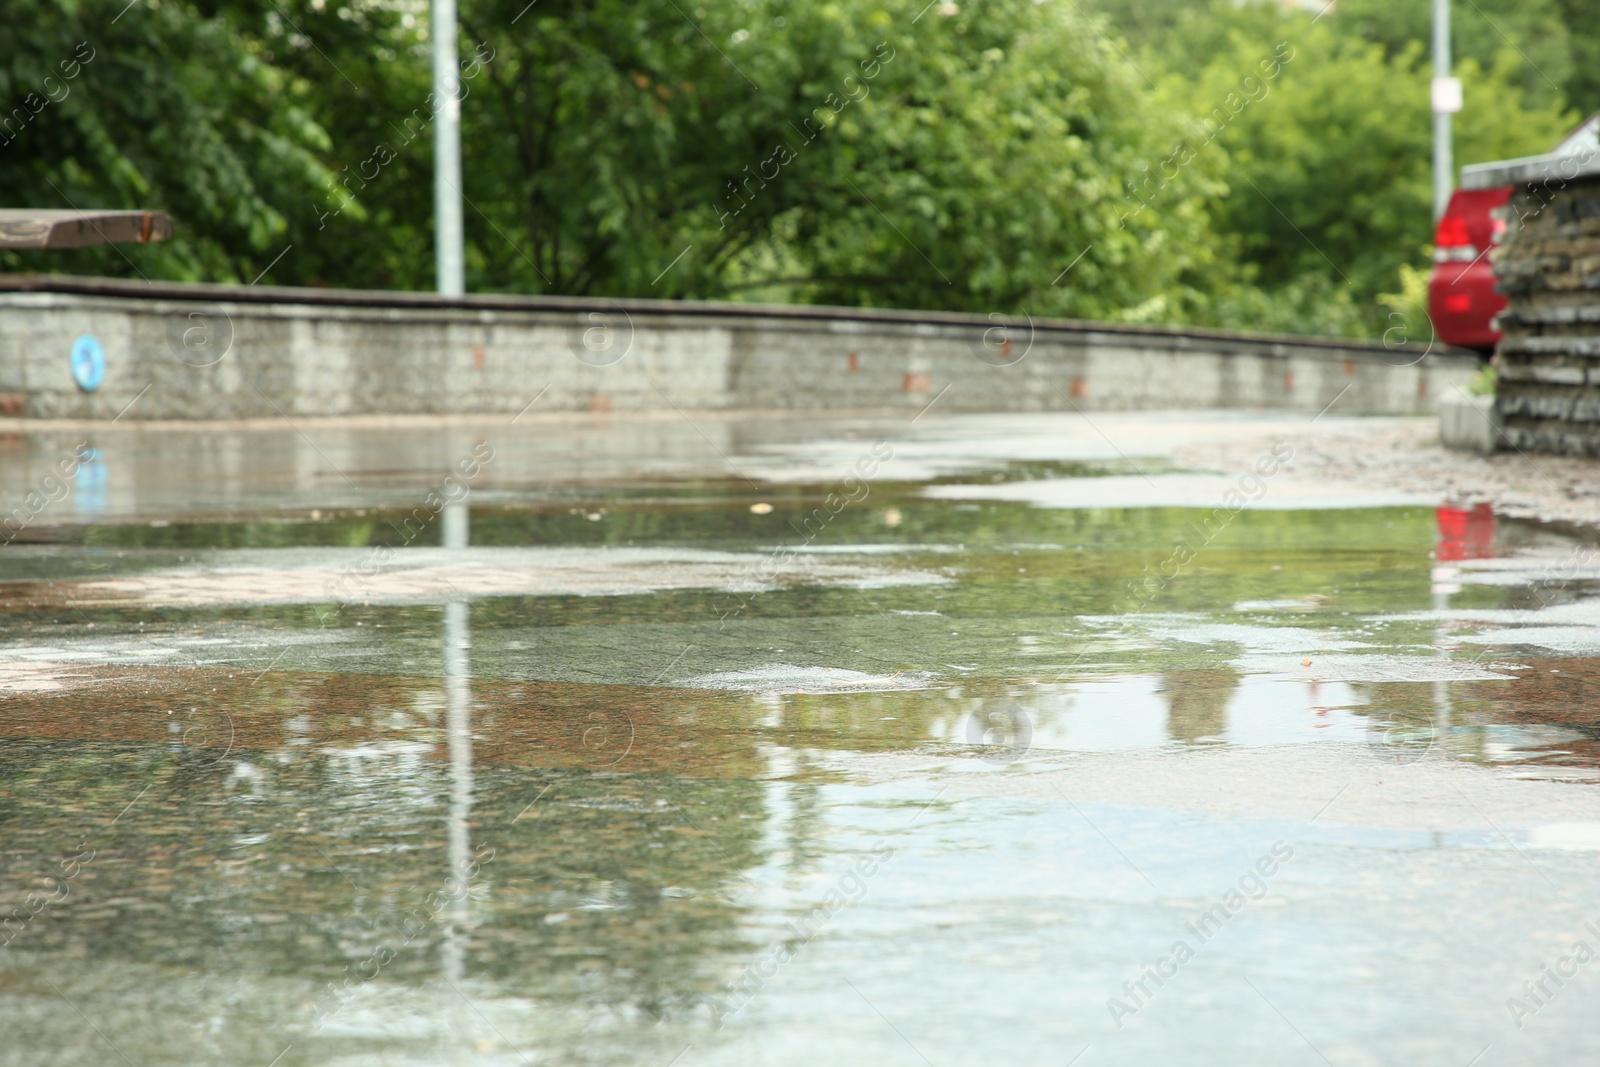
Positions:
(712, 740)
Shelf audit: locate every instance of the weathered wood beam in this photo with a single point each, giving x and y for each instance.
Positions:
(35, 228)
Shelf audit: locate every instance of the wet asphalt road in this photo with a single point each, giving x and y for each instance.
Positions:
(721, 740)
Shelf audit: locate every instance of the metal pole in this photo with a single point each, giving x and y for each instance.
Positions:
(448, 255)
(1446, 100)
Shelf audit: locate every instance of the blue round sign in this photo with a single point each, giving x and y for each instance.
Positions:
(88, 362)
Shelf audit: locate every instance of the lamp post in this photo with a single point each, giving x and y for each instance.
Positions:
(1446, 102)
(449, 258)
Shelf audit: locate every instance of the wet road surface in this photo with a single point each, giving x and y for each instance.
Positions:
(701, 740)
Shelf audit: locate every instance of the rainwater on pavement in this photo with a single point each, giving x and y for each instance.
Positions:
(700, 740)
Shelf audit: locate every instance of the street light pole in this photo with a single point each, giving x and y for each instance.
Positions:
(449, 258)
(1446, 102)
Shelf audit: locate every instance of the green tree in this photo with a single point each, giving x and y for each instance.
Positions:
(1581, 18)
(991, 155)
(845, 152)
(1534, 31)
(998, 156)
(152, 106)
(1551, 36)
(1333, 176)
(1324, 172)
(363, 70)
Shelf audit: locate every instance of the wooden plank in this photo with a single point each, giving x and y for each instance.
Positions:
(34, 228)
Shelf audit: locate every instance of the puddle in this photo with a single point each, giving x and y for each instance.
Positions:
(421, 575)
(1155, 489)
(785, 678)
(641, 761)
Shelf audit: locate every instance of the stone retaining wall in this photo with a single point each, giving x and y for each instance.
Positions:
(205, 352)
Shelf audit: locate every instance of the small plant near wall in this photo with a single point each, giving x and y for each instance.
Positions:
(1482, 383)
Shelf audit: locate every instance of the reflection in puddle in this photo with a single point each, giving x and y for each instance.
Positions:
(535, 798)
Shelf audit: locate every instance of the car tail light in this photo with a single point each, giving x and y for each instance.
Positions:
(1451, 241)
(1458, 302)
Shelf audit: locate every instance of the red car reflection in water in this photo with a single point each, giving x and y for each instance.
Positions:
(1461, 299)
(1464, 533)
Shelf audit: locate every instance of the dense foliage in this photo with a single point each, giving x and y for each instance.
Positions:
(1154, 160)
(153, 106)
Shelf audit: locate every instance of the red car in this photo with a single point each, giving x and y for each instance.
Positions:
(1461, 299)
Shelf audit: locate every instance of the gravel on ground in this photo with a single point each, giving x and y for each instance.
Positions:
(1406, 455)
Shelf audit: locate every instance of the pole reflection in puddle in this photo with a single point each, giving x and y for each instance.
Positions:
(458, 731)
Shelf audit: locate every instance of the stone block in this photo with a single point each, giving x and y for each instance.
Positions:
(1469, 423)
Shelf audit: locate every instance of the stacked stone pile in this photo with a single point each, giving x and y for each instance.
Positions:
(1548, 265)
